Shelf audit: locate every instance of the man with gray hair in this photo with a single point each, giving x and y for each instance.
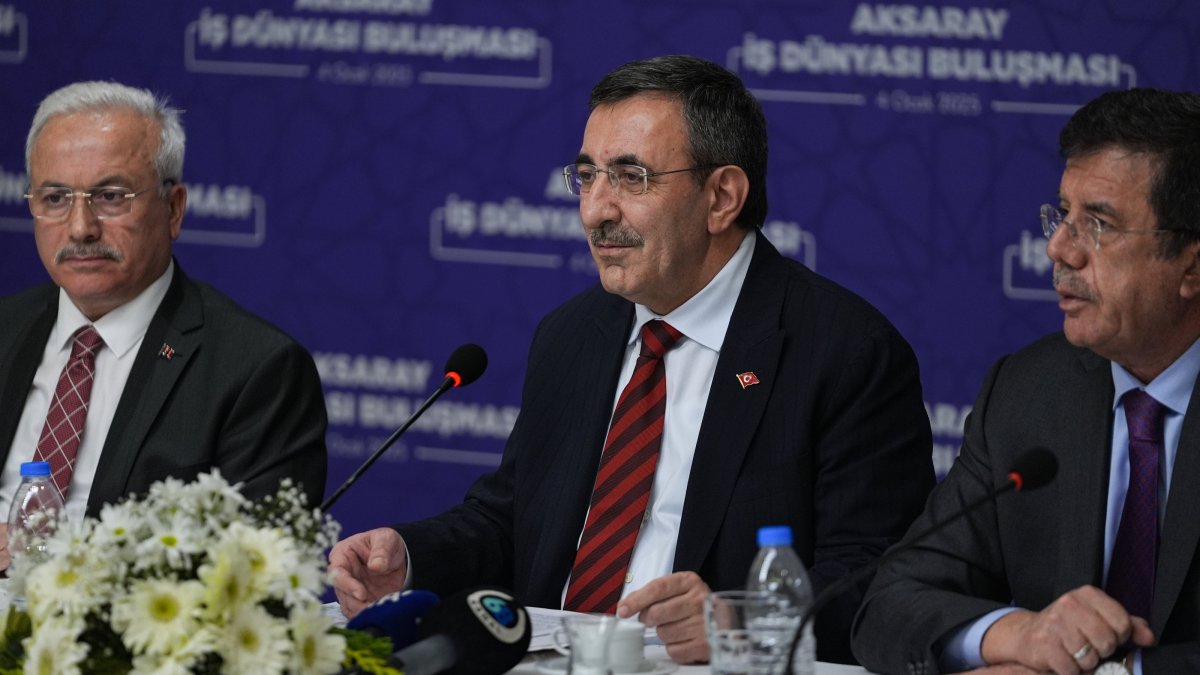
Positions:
(124, 371)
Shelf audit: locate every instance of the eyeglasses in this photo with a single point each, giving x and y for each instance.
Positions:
(110, 201)
(628, 178)
(1053, 219)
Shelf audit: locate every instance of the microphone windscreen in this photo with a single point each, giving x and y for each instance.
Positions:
(395, 616)
(468, 361)
(1034, 468)
(490, 629)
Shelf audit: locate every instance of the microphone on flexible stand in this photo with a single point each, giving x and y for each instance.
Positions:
(464, 366)
(1030, 471)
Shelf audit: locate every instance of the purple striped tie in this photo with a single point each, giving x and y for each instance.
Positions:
(623, 480)
(1135, 552)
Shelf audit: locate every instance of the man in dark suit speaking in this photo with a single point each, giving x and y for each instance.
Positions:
(1098, 571)
(707, 387)
(124, 371)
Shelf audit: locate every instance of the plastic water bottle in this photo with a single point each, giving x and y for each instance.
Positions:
(37, 508)
(778, 569)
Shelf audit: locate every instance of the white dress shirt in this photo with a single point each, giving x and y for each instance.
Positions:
(122, 330)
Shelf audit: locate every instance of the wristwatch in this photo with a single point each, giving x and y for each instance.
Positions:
(1120, 667)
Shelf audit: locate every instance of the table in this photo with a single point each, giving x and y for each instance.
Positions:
(658, 653)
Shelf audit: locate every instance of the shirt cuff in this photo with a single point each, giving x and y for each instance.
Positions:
(962, 649)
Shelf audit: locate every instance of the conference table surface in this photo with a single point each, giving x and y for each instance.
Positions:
(544, 662)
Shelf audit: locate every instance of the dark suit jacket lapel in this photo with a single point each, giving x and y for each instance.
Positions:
(18, 366)
(1180, 527)
(1086, 443)
(600, 343)
(177, 323)
(753, 343)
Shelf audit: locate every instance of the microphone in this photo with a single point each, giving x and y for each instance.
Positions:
(464, 366)
(395, 616)
(482, 631)
(1031, 470)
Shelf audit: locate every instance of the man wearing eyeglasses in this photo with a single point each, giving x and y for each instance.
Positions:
(1098, 571)
(124, 371)
(708, 386)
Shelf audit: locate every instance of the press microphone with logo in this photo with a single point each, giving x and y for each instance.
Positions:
(464, 366)
(482, 631)
(395, 616)
(1030, 471)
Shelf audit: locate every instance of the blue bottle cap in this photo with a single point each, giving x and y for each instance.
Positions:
(775, 535)
(35, 468)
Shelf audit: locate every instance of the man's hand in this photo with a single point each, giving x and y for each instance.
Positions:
(366, 567)
(674, 605)
(1051, 639)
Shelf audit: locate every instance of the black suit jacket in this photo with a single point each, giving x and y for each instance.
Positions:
(834, 442)
(1028, 549)
(237, 395)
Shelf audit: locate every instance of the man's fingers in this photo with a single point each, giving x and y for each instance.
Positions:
(1141, 634)
(694, 650)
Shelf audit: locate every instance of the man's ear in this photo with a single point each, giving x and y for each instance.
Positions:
(1189, 285)
(728, 187)
(177, 204)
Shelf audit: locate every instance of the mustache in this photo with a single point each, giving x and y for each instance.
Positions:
(1066, 281)
(93, 250)
(614, 235)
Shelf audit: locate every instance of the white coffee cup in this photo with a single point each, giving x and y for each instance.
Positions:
(583, 633)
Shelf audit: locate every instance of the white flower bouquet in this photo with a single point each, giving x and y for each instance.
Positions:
(191, 578)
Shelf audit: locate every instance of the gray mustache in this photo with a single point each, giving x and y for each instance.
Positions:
(88, 251)
(1068, 282)
(611, 234)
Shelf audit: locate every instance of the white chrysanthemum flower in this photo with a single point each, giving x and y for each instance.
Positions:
(180, 660)
(253, 643)
(269, 556)
(55, 648)
(157, 615)
(305, 580)
(159, 664)
(121, 525)
(226, 577)
(167, 493)
(173, 540)
(61, 586)
(69, 539)
(316, 651)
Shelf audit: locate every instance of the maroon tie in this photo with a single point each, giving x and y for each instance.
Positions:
(64, 421)
(1135, 551)
(623, 480)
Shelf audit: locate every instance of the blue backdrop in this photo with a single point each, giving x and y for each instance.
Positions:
(380, 177)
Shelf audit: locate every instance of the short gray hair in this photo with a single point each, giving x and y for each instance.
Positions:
(92, 96)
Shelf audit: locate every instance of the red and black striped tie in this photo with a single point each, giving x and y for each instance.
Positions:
(624, 479)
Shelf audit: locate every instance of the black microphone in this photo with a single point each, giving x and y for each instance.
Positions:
(1033, 469)
(482, 631)
(463, 367)
(395, 616)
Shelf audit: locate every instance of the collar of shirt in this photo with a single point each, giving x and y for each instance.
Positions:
(121, 328)
(704, 318)
(1172, 387)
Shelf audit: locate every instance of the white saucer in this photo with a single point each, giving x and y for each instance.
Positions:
(558, 666)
